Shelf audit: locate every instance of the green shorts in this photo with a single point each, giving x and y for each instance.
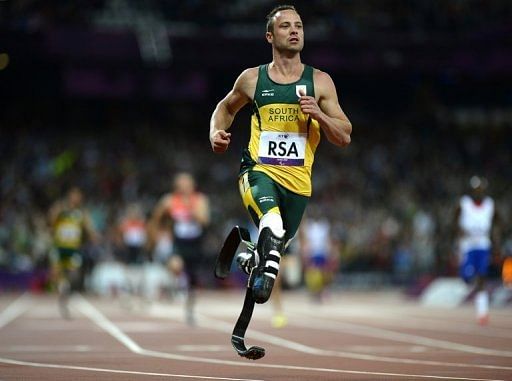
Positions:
(68, 259)
(260, 195)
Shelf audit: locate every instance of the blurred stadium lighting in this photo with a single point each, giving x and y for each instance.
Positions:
(148, 25)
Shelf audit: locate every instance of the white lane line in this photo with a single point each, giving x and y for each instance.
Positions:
(400, 320)
(49, 348)
(15, 309)
(204, 348)
(118, 371)
(383, 349)
(103, 322)
(381, 333)
(141, 327)
(284, 343)
(425, 324)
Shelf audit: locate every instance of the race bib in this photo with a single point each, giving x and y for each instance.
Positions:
(68, 233)
(135, 237)
(187, 229)
(282, 148)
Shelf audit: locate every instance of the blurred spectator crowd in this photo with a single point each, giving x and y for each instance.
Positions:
(355, 19)
(389, 196)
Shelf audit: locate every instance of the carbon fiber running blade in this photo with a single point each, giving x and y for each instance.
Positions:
(253, 353)
(228, 251)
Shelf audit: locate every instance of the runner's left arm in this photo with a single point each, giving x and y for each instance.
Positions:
(202, 211)
(89, 228)
(496, 235)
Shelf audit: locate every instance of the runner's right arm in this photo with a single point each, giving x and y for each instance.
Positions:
(227, 108)
(156, 220)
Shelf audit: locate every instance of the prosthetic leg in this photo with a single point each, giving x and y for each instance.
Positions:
(228, 250)
(262, 266)
(264, 275)
(222, 268)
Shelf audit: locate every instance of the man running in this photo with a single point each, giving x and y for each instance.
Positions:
(475, 222)
(71, 226)
(293, 104)
(188, 212)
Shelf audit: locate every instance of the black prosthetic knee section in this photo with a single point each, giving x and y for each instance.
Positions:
(269, 247)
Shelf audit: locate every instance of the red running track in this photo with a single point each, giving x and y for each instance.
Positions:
(352, 336)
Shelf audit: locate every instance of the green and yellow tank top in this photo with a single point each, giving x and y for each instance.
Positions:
(283, 139)
(68, 229)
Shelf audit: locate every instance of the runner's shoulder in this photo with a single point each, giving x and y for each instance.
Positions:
(246, 81)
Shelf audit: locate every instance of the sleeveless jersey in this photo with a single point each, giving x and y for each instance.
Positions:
(185, 227)
(475, 222)
(318, 236)
(68, 229)
(283, 139)
(134, 232)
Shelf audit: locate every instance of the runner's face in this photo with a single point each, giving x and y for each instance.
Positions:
(184, 184)
(75, 198)
(478, 193)
(288, 34)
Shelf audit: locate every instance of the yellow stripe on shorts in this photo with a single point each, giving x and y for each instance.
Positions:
(248, 199)
(246, 193)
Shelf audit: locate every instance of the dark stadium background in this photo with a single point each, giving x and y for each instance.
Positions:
(115, 96)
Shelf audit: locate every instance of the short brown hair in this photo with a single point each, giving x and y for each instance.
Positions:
(270, 16)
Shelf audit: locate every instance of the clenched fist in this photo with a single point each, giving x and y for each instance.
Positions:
(220, 141)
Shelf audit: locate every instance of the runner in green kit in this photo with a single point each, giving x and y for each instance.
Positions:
(292, 103)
